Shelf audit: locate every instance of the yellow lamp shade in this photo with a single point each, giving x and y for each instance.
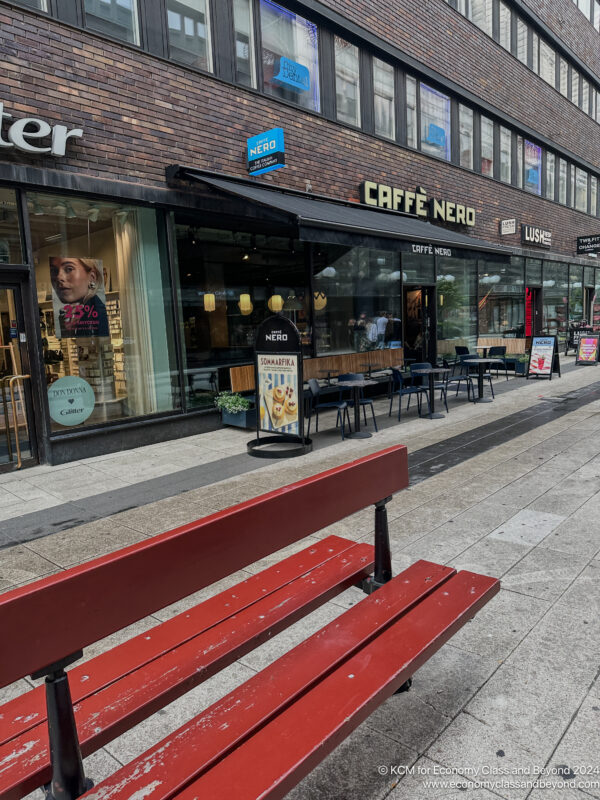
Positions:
(245, 304)
(209, 302)
(275, 303)
(320, 301)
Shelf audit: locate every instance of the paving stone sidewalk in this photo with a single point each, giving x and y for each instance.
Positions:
(516, 691)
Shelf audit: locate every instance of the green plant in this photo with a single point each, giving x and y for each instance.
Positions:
(231, 402)
(523, 358)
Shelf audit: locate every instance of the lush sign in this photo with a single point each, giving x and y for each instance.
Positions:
(266, 152)
(32, 135)
(416, 203)
(538, 237)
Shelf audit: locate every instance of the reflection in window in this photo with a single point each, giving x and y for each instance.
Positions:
(520, 162)
(435, 122)
(564, 77)
(555, 299)
(581, 189)
(10, 238)
(487, 147)
(585, 95)
(456, 304)
(562, 181)
(593, 196)
(533, 167)
(502, 299)
(347, 82)
(245, 66)
(547, 63)
(571, 186)
(480, 12)
(521, 40)
(535, 52)
(105, 304)
(574, 95)
(189, 32)
(597, 15)
(465, 116)
(411, 111)
(383, 89)
(118, 18)
(290, 56)
(505, 154)
(38, 5)
(505, 22)
(361, 290)
(550, 166)
(575, 294)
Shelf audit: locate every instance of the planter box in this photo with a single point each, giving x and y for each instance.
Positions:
(243, 419)
(521, 368)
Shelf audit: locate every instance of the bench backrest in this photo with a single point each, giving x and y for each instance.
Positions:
(52, 618)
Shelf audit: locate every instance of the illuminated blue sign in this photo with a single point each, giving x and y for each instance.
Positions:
(266, 152)
(436, 135)
(292, 74)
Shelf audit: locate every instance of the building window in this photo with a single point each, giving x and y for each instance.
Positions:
(10, 237)
(563, 77)
(572, 186)
(118, 18)
(505, 154)
(105, 306)
(38, 5)
(465, 116)
(562, 181)
(533, 167)
(597, 15)
(290, 56)
(505, 22)
(487, 147)
(598, 107)
(481, 14)
(547, 63)
(584, 6)
(581, 190)
(585, 95)
(550, 167)
(502, 298)
(189, 33)
(521, 40)
(347, 82)
(593, 196)
(411, 111)
(555, 299)
(574, 95)
(519, 180)
(385, 99)
(245, 65)
(435, 122)
(535, 53)
(575, 293)
(456, 303)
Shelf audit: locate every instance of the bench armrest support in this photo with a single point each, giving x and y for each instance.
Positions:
(383, 556)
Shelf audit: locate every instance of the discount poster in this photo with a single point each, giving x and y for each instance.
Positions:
(542, 354)
(78, 297)
(278, 393)
(587, 350)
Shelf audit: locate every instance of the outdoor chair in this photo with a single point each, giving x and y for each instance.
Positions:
(400, 389)
(364, 402)
(462, 377)
(341, 405)
(499, 352)
(487, 376)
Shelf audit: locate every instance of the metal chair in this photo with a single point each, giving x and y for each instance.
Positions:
(486, 375)
(364, 402)
(500, 353)
(399, 388)
(316, 406)
(462, 377)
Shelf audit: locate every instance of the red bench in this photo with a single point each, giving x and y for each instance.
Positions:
(307, 701)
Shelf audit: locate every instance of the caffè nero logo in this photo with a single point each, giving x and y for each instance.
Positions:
(32, 135)
(416, 203)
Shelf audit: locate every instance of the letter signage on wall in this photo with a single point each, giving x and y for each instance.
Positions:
(416, 203)
(266, 152)
(34, 136)
(588, 244)
(538, 237)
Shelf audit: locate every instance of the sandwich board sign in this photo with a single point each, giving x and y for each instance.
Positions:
(544, 360)
(587, 349)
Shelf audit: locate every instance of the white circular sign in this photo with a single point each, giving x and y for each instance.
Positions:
(71, 400)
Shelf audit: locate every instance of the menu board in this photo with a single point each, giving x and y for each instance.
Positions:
(278, 393)
(587, 350)
(543, 360)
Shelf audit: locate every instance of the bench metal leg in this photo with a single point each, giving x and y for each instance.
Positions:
(383, 555)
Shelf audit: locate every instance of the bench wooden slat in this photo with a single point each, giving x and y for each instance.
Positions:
(110, 712)
(177, 760)
(29, 709)
(318, 721)
(109, 593)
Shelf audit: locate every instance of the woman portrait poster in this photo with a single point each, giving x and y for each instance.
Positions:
(78, 297)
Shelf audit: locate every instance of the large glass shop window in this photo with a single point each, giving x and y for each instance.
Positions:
(502, 299)
(10, 239)
(358, 304)
(229, 282)
(118, 18)
(555, 296)
(575, 294)
(189, 32)
(290, 56)
(105, 311)
(456, 304)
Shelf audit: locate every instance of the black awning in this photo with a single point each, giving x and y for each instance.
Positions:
(321, 220)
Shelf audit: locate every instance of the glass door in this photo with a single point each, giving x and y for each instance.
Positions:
(419, 323)
(17, 436)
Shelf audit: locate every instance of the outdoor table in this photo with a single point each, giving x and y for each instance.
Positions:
(328, 373)
(481, 363)
(370, 367)
(357, 386)
(431, 371)
(483, 347)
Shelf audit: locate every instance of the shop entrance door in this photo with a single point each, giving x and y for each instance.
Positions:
(17, 433)
(588, 307)
(533, 311)
(419, 323)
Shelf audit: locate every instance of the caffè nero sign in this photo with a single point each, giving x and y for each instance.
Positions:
(416, 203)
(33, 135)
